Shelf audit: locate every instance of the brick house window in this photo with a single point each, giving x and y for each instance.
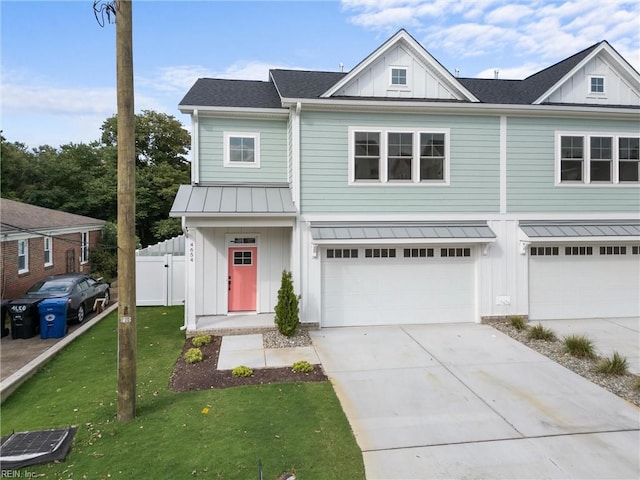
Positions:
(48, 256)
(84, 248)
(23, 256)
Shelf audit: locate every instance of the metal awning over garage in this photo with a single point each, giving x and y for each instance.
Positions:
(401, 232)
(233, 200)
(581, 231)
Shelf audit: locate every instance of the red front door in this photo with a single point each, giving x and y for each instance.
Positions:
(242, 279)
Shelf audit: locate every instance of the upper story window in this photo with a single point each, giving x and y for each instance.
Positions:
(407, 156)
(597, 159)
(23, 256)
(84, 248)
(48, 255)
(398, 76)
(241, 149)
(596, 85)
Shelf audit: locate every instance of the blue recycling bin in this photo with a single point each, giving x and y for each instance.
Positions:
(53, 318)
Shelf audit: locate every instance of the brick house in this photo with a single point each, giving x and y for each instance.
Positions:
(36, 242)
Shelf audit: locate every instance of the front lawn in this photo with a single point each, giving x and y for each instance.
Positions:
(213, 434)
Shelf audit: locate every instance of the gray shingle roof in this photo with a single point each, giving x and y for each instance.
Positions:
(306, 84)
(232, 199)
(590, 228)
(21, 217)
(401, 231)
(216, 92)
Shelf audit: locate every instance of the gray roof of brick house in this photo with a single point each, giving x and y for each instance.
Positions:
(560, 230)
(216, 200)
(402, 231)
(18, 217)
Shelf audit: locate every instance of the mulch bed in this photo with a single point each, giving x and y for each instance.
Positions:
(204, 375)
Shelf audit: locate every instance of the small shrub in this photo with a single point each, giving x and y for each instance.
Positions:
(579, 346)
(200, 340)
(193, 355)
(302, 367)
(614, 365)
(242, 371)
(287, 316)
(517, 322)
(538, 332)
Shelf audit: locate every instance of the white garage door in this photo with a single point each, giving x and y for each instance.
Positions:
(383, 286)
(583, 282)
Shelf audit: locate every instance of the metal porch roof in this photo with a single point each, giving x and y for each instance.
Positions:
(590, 228)
(220, 200)
(402, 231)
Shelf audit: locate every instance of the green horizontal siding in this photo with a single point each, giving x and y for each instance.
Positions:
(531, 167)
(273, 151)
(474, 169)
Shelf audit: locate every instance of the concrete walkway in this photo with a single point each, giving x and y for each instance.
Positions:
(248, 350)
(466, 401)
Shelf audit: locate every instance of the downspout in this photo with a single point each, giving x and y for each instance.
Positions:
(185, 232)
(295, 183)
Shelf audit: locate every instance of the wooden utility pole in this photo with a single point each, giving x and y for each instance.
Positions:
(126, 215)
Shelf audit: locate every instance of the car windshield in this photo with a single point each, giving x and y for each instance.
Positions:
(51, 287)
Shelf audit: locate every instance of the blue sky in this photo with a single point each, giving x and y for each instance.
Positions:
(58, 64)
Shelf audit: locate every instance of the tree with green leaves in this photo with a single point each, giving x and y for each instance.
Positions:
(287, 316)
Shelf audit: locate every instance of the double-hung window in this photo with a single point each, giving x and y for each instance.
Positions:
(48, 256)
(84, 248)
(23, 256)
(597, 158)
(241, 149)
(398, 156)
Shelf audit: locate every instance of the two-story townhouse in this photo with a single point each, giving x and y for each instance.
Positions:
(398, 193)
(36, 242)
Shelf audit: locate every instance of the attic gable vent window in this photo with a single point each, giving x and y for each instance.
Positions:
(398, 76)
(596, 85)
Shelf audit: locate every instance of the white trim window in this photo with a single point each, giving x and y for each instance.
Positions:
(84, 247)
(23, 256)
(241, 149)
(48, 254)
(398, 156)
(597, 159)
(398, 77)
(596, 85)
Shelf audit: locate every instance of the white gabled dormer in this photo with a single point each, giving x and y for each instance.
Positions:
(400, 68)
(601, 78)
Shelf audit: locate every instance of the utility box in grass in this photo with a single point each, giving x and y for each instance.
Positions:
(53, 318)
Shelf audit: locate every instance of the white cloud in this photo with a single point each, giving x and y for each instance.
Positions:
(508, 14)
(527, 31)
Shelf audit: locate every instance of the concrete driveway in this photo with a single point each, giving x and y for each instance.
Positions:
(466, 401)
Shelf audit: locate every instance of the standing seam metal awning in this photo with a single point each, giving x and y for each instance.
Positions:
(225, 200)
(582, 230)
(402, 232)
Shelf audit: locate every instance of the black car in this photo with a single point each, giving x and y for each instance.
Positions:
(81, 291)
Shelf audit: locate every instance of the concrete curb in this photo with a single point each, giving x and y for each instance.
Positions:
(13, 381)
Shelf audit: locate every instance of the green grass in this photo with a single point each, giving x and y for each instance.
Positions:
(614, 365)
(297, 426)
(579, 346)
(538, 332)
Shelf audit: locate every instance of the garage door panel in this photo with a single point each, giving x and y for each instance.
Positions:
(584, 286)
(384, 291)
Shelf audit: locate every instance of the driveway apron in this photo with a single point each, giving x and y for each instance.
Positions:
(466, 401)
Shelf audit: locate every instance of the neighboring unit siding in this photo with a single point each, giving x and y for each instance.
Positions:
(474, 171)
(531, 167)
(273, 151)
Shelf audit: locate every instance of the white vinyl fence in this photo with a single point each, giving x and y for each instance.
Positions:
(160, 274)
